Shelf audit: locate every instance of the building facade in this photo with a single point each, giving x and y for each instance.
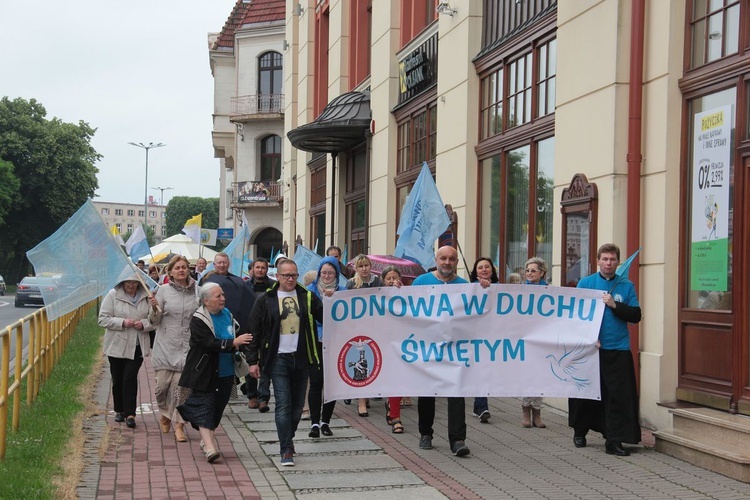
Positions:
(247, 65)
(550, 128)
(127, 216)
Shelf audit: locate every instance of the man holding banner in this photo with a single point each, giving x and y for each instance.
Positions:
(616, 415)
(447, 264)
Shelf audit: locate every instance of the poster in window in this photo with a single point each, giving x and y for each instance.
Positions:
(710, 199)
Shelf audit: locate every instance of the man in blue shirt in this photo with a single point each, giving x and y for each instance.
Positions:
(445, 274)
(616, 415)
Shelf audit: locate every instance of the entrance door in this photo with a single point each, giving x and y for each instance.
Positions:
(713, 319)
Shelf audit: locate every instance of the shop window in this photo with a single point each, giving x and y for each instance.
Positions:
(417, 139)
(355, 202)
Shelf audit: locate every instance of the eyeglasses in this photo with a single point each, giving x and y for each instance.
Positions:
(288, 276)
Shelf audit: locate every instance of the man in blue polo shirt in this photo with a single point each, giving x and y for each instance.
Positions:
(445, 274)
(616, 415)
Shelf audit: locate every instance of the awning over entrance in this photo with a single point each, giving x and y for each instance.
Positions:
(342, 125)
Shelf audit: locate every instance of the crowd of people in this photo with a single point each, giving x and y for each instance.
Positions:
(207, 331)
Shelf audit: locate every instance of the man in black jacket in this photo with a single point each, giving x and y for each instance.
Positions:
(285, 336)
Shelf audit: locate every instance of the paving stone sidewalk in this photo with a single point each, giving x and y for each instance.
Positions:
(365, 460)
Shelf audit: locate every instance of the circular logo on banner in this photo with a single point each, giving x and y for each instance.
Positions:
(360, 361)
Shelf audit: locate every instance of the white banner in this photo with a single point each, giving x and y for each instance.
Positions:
(462, 340)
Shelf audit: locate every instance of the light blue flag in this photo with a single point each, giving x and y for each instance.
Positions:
(307, 260)
(81, 261)
(423, 220)
(236, 252)
(623, 269)
(137, 245)
(344, 258)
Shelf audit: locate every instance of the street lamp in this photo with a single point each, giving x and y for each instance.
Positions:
(148, 146)
(161, 199)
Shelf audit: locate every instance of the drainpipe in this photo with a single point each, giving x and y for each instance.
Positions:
(333, 199)
(635, 156)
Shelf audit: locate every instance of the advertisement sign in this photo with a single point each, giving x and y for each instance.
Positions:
(710, 199)
(252, 191)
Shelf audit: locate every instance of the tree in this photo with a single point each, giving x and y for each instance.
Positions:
(182, 208)
(52, 163)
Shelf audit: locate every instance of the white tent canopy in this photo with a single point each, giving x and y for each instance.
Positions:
(181, 245)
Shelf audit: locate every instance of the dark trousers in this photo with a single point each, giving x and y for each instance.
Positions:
(315, 396)
(264, 387)
(616, 415)
(456, 418)
(251, 387)
(125, 382)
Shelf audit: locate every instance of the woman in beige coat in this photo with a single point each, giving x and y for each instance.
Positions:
(124, 315)
(177, 302)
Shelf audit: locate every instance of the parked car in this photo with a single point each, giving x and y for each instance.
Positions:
(33, 289)
(70, 283)
(2, 285)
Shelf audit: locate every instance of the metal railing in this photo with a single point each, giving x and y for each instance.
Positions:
(47, 341)
(257, 104)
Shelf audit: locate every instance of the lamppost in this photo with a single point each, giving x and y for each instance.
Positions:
(161, 199)
(148, 146)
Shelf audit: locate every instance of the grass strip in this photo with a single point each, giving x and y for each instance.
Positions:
(32, 466)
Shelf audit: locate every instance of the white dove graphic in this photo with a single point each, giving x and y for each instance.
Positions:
(360, 344)
(566, 367)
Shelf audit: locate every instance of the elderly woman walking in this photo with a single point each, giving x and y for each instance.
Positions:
(124, 315)
(177, 301)
(209, 366)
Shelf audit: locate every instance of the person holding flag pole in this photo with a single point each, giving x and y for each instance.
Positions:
(616, 415)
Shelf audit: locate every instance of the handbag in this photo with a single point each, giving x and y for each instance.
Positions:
(241, 367)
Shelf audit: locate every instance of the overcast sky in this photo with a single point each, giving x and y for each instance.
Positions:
(136, 71)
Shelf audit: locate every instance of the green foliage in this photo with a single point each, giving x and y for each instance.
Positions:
(9, 186)
(41, 441)
(51, 175)
(182, 208)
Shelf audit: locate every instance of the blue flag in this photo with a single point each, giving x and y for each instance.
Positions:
(423, 220)
(82, 260)
(623, 269)
(137, 245)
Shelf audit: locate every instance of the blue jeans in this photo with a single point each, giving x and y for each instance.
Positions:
(289, 386)
(480, 405)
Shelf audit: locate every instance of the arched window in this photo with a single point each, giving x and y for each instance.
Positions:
(270, 73)
(270, 158)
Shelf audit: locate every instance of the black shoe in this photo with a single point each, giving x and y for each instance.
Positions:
(119, 417)
(615, 448)
(425, 442)
(325, 430)
(263, 406)
(459, 449)
(484, 417)
(579, 441)
(130, 422)
(314, 431)
(347, 401)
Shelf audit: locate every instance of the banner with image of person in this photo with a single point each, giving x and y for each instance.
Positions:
(462, 340)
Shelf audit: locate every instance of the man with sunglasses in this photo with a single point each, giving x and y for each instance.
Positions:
(285, 336)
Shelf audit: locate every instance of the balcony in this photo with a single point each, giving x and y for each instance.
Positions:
(249, 194)
(247, 108)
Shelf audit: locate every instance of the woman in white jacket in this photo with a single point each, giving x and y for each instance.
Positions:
(124, 315)
(177, 302)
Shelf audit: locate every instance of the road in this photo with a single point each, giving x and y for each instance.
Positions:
(9, 314)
